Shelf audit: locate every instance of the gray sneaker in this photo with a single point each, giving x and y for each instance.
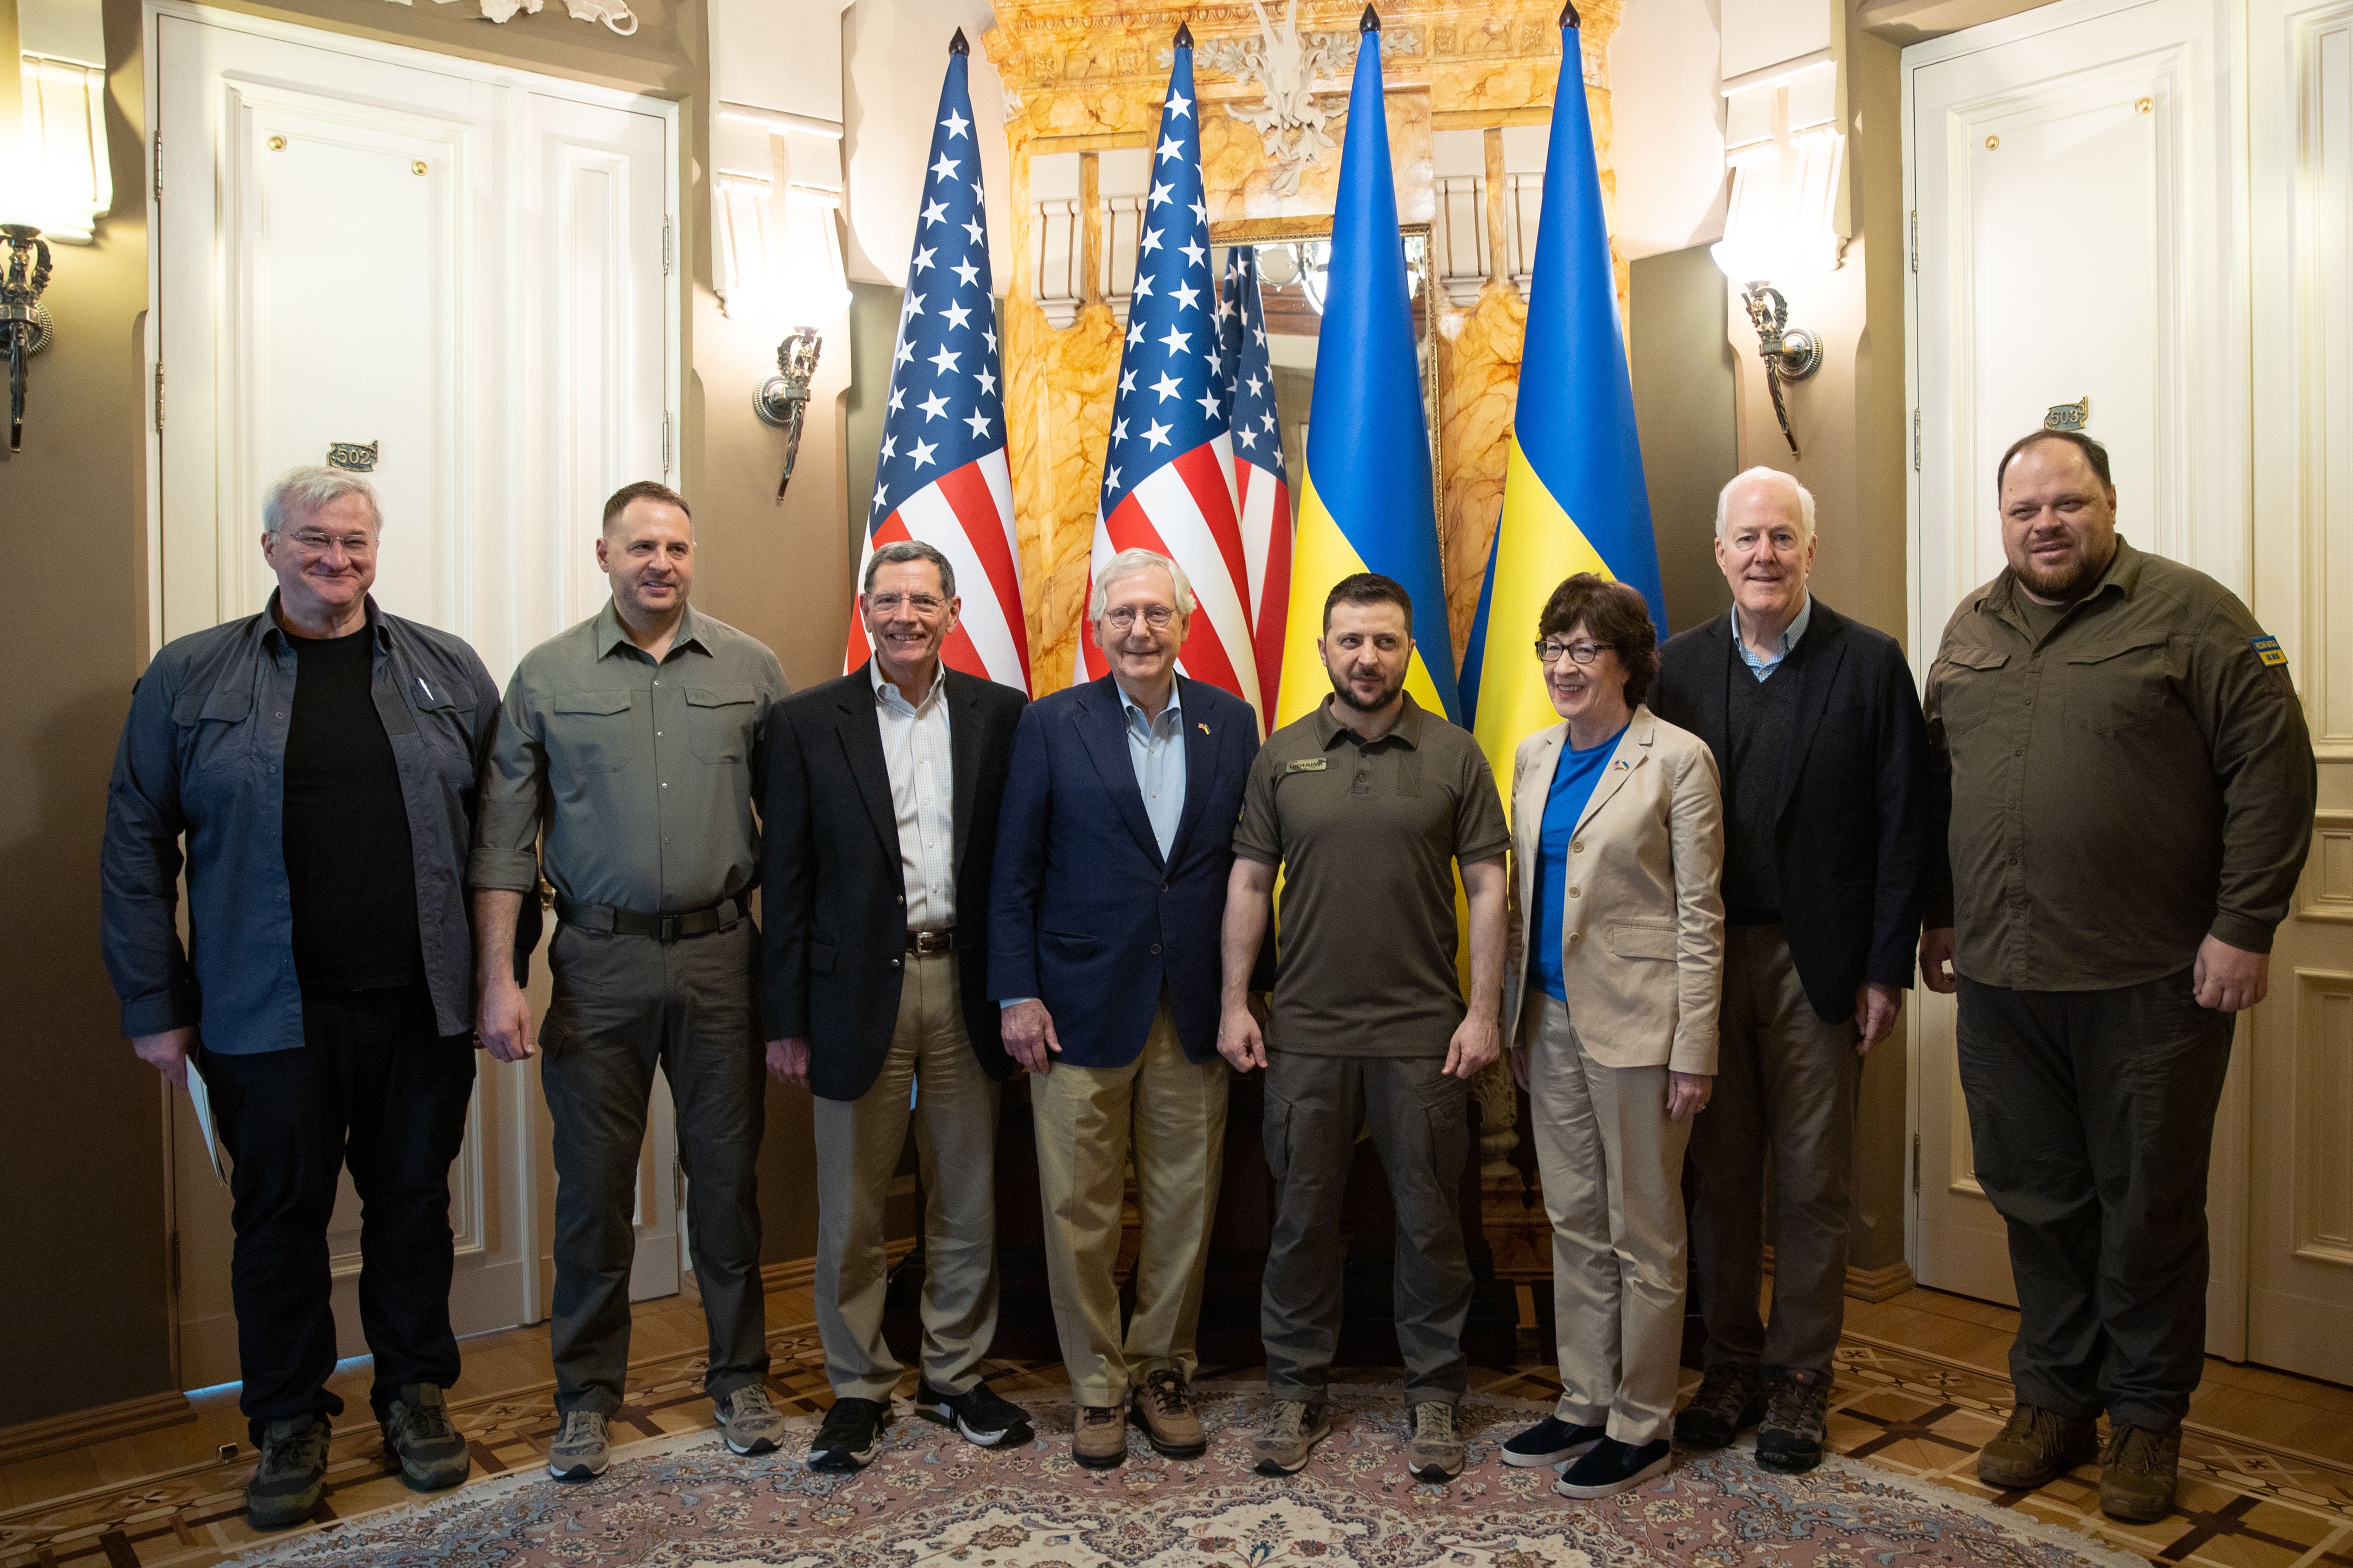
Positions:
(1292, 1429)
(750, 1420)
(580, 1452)
(418, 1433)
(293, 1476)
(1434, 1452)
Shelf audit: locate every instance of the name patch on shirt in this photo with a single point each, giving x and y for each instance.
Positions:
(2268, 650)
(1305, 765)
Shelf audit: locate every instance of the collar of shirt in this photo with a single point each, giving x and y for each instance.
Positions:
(1172, 710)
(2122, 575)
(611, 634)
(1406, 731)
(887, 692)
(1790, 638)
(273, 635)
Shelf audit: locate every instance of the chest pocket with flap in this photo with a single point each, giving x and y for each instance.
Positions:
(2119, 683)
(721, 721)
(593, 733)
(1968, 687)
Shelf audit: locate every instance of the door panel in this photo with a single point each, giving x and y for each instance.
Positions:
(466, 269)
(2076, 176)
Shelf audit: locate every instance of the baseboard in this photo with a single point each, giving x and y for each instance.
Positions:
(100, 1424)
(1882, 1284)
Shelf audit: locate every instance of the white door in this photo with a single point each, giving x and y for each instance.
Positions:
(2076, 176)
(2300, 1296)
(464, 268)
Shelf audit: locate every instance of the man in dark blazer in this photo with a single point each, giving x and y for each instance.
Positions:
(1817, 732)
(1112, 861)
(880, 835)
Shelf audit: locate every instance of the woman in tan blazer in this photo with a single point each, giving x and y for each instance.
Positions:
(1617, 948)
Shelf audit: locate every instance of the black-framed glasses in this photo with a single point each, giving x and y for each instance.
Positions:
(1551, 650)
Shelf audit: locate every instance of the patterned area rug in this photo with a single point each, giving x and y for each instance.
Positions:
(934, 1501)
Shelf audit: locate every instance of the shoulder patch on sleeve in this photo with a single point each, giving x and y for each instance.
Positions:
(2268, 650)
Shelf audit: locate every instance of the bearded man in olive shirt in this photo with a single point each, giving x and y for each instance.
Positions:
(1367, 804)
(634, 740)
(2129, 786)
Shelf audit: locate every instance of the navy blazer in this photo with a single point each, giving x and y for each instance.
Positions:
(1085, 915)
(833, 891)
(1852, 808)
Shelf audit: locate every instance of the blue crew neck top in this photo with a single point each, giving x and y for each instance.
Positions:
(1572, 786)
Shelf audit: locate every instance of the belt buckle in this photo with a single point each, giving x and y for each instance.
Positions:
(666, 927)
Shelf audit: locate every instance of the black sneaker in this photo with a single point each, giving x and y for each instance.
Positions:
(418, 1433)
(293, 1476)
(977, 1413)
(1789, 1439)
(1611, 1467)
(1551, 1441)
(851, 1431)
(1731, 1396)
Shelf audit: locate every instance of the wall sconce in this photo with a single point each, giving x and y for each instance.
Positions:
(783, 399)
(1791, 353)
(24, 323)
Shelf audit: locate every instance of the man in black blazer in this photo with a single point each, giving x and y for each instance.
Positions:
(1817, 732)
(878, 842)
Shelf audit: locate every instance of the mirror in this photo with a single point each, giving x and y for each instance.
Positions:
(1291, 270)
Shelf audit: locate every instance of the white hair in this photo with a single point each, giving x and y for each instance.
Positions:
(1128, 563)
(1805, 498)
(297, 493)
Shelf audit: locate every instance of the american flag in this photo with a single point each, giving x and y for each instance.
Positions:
(1262, 492)
(1168, 482)
(942, 476)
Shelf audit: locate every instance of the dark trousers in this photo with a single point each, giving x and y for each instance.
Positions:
(374, 1087)
(2092, 1116)
(1784, 1102)
(624, 1005)
(1420, 1126)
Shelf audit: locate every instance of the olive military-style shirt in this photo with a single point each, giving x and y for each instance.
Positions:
(1367, 833)
(643, 775)
(2129, 778)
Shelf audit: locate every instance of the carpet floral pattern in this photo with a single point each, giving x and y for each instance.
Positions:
(933, 1501)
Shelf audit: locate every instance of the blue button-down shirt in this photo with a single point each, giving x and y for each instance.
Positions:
(1763, 668)
(1156, 748)
(203, 763)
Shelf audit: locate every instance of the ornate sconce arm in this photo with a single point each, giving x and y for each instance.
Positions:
(783, 399)
(24, 323)
(1791, 353)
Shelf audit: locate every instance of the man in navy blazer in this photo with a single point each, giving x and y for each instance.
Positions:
(1818, 740)
(1113, 850)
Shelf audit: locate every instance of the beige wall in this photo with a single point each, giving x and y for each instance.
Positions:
(82, 1131)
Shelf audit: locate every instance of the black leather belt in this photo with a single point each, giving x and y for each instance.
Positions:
(924, 943)
(661, 928)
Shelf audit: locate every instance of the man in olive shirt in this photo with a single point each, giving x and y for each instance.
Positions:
(2130, 788)
(1367, 804)
(633, 739)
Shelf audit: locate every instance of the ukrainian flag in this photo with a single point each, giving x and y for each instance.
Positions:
(1574, 499)
(1366, 504)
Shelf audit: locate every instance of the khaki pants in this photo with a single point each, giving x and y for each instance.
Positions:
(1173, 1113)
(858, 1146)
(1784, 1102)
(1611, 1162)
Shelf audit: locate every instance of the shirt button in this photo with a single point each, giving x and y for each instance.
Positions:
(1155, 947)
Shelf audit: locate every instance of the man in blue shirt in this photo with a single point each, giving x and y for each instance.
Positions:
(319, 761)
(1113, 849)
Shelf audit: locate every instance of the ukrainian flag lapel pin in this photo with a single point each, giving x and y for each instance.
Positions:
(1203, 728)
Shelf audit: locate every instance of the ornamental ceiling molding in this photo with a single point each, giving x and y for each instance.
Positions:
(613, 14)
(1292, 69)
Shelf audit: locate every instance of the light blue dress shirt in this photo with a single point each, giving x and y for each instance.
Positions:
(1763, 668)
(1156, 748)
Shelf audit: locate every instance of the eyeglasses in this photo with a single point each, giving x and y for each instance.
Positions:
(922, 603)
(1156, 616)
(312, 541)
(1551, 650)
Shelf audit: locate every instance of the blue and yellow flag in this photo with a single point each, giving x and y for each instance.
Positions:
(1574, 499)
(1366, 504)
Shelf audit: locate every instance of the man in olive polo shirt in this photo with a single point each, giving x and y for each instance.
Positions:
(1367, 804)
(2129, 786)
(633, 739)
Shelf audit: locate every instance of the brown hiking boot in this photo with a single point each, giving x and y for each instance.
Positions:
(1099, 1437)
(2137, 1472)
(2036, 1446)
(1163, 1408)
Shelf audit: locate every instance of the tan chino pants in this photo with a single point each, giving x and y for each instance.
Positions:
(1172, 1114)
